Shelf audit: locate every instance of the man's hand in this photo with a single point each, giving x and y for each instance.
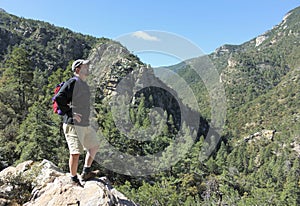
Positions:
(77, 117)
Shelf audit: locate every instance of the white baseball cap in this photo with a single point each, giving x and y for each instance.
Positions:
(79, 62)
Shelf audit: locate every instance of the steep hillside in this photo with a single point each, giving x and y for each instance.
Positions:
(50, 47)
(262, 81)
(278, 109)
(253, 71)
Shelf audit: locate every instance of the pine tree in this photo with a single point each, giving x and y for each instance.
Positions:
(16, 81)
(38, 138)
(291, 188)
(15, 99)
(221, 156)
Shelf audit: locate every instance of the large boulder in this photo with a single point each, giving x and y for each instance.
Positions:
(52, 187)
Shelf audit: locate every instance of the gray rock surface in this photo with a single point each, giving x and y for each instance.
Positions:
(53, 187)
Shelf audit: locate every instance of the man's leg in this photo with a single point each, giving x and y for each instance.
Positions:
(73, 164)
(90, 155)
(87, 173)
(75, 149)
(93, 145)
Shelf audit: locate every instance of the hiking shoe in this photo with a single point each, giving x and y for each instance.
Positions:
(85, 176)
(75, 182)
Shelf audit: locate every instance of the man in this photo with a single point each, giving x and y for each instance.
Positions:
(73, 99)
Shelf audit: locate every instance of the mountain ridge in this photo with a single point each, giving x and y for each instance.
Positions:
(261, 81)
(258, 65)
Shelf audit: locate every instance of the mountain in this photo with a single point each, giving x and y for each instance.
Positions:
(254, 162)
(50, 47)
(260, 76)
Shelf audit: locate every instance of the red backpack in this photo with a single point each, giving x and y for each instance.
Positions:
(55, 107)
(54, 103)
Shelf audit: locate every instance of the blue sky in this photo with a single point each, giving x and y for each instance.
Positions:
(206, 24)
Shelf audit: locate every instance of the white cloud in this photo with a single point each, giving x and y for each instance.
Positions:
(145, 36)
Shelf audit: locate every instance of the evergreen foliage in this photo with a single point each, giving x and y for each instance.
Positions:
(262, 91)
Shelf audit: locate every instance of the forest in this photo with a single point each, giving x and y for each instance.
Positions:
(255, 162)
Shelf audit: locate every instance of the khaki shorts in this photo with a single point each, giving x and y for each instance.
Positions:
(79, 138)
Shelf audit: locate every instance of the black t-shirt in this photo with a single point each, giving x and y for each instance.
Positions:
(74, 97)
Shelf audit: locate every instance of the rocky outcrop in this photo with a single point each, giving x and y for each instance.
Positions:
(225, 49)
(232, 62)
(52, 187)
(112, 62)
(264, 134)
(118, 73)
(296, 146)
(260, 39)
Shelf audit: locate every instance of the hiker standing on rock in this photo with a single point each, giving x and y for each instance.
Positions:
(73, 100)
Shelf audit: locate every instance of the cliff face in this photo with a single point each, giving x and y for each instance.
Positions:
(116, 72)
(52, 187)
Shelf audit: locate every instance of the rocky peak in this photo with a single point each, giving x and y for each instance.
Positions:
(225, 49)
(110, 63)
(286, 17)
(52, 187)
(117, 72)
